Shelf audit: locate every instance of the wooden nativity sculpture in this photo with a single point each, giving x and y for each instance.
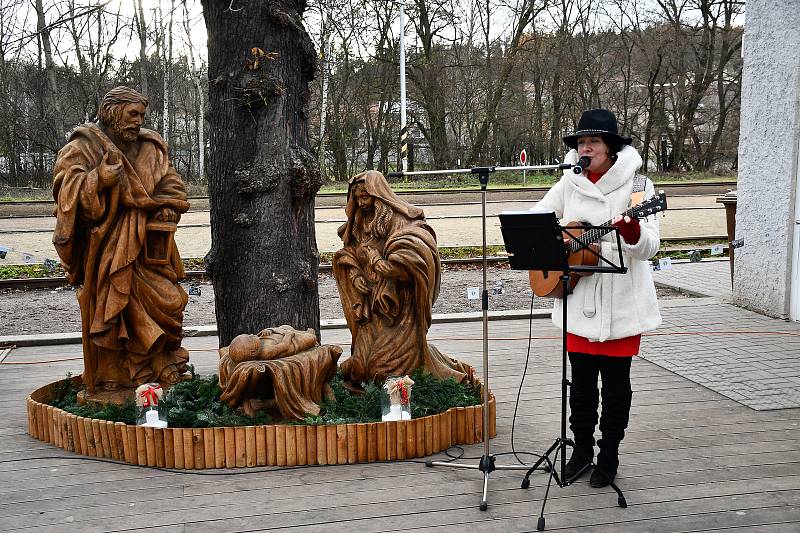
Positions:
(118, 202)
(279, 367)
(388, 274)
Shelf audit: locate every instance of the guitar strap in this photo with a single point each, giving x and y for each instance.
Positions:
(637, 194)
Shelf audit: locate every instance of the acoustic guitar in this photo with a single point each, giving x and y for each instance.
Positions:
(548, 284)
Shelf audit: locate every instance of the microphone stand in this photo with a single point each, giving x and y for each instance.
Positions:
(487, 461)
(487, 170)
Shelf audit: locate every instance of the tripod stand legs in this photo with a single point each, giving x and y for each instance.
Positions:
(560, 447)
(526, 481)
(561, 443)
(486, 465)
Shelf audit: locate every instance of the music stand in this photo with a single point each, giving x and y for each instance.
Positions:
(535, 241)
(486, 464)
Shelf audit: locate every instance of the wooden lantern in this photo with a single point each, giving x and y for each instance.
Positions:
(158, 242)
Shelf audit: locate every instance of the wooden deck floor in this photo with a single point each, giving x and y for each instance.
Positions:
(693, 460)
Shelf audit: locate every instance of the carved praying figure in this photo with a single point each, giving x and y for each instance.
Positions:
(279, 365)
(118, 201)
(388, 275)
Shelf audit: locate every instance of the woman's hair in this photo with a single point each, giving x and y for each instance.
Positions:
(110, 110)
(614, 145)
(382, 217)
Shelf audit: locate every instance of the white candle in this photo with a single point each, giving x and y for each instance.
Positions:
(152, 420)
(395, 413)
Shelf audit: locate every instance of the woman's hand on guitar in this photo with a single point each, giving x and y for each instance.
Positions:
(628, 228)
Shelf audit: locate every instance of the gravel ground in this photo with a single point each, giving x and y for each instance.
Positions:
(56, 311)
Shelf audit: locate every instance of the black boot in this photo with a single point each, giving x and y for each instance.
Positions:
(616, 395)
(584, 399)
(607, 464)
(581, 459)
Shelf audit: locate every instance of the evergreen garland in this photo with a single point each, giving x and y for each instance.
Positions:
(349, 408)
(196, 404)
(429, 396)
(65, 396)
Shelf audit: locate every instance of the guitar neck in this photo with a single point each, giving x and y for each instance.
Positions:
(593, 235)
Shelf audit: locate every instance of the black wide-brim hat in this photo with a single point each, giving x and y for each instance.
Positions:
(601, 122)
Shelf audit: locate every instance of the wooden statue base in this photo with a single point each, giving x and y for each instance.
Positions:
(102, 397)
(245, 446)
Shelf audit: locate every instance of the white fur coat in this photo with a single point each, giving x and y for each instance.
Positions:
(608, 306)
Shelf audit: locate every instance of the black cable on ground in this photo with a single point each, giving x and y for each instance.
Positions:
(519, 391)
(217, 472)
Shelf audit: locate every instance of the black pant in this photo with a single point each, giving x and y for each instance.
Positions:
(583, 399)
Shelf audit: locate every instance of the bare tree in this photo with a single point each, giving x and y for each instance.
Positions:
(486, 78)
(10, 112)
(382, 88)
(94, 37)
(165, 42)
(427, 71)
(141, 30)
(525, 12)
(560, 43)
(199, 97)
(53, 102)
(728, 74)
(695, 28)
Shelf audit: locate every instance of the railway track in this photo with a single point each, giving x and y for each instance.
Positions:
(467, 262)
(325, 218)
(44, 208)
(331, 214)
(10, 231)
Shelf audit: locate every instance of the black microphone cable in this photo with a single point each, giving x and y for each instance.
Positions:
(522, 382)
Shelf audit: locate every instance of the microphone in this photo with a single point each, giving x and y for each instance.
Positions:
(582, 164)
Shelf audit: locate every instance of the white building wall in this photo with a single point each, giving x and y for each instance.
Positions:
(768, 156)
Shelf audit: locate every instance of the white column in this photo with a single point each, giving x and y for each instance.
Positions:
(794, 306)
(766, 274)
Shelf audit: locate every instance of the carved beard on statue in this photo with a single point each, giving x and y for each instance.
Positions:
(126, 133)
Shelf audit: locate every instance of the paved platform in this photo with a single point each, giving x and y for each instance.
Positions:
(713, 445)
(750, 358)
(711, 277)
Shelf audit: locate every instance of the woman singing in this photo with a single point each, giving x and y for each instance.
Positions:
(607, 313)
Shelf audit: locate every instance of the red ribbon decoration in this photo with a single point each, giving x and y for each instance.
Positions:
(149, 396)
(403, 392)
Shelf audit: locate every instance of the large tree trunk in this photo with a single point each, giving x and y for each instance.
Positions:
(262, 175)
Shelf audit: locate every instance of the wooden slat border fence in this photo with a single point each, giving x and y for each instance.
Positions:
(250, 446)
